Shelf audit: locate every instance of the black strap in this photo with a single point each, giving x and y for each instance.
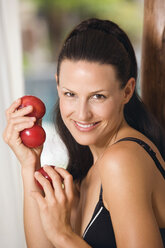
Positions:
(149, 150)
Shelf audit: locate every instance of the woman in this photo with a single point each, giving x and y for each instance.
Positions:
(112, 193)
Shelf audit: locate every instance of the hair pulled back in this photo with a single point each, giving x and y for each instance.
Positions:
(104, 42)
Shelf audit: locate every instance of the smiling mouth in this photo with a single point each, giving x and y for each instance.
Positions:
(85, 127)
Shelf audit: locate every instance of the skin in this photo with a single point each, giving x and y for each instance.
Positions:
(89, 93)
(78, 102)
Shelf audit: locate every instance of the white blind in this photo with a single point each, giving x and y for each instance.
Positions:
(11, 87)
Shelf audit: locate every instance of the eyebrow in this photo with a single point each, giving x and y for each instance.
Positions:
(94, 92)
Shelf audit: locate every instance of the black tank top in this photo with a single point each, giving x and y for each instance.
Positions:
(99, 232)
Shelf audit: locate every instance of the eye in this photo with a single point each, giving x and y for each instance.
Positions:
(69, 94)
(99, 96)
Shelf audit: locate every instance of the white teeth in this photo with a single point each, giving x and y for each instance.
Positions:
(85, 126)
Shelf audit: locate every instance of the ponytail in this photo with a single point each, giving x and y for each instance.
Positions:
(105, 42)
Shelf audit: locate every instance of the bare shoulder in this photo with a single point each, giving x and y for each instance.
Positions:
(125, 162)
(126, 179)
(124, 156)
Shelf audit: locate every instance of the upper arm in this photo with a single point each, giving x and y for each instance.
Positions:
(127, 193)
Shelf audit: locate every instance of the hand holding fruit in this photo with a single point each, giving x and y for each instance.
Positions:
(35, 136)
(18, 120)
(43, 172)
(38, 106)
(55, 205)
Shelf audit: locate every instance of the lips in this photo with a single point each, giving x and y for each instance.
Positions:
(85, 126)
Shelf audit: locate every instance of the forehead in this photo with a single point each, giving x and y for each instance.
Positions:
(87, 73)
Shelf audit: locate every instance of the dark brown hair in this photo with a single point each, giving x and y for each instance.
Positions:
(104, 42)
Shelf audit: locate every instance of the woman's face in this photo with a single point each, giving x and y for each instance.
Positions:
(91, 101)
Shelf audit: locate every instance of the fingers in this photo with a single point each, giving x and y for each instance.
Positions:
(19, 112)
(15, 126)
(13, 107)
(56, 181)
(49, 193)
(14, 111)
(68, 182)
(22, 119)
(22, 123)
(17, 121)
(59, 176)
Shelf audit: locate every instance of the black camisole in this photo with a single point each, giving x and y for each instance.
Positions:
(99, 232)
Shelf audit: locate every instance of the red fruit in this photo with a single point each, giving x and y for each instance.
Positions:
(41, 170)
(38, 106)
(33, 137)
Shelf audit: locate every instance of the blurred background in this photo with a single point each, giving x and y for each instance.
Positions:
(31, 34)
(44, 26)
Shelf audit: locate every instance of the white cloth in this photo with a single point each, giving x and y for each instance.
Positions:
(11, 87)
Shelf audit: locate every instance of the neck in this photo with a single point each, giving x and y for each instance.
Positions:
(116, 134)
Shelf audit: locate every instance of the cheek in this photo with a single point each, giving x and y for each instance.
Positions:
(106, 110)
(108, 113)
(110, 110)
(66, 108)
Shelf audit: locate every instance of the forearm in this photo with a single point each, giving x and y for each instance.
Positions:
(71, 240)
(35, 236)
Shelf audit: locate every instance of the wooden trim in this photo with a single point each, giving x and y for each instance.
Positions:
(153, 58)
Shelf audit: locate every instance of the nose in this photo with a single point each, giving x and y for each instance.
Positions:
(84, 112)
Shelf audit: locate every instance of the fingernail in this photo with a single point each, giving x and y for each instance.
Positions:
(45, 166)
(17, 100)
(29, 107)
(32, 118)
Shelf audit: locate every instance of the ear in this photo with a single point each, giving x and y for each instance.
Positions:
(56, 77)
(129, 90)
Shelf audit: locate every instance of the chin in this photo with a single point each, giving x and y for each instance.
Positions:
(85, 141)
